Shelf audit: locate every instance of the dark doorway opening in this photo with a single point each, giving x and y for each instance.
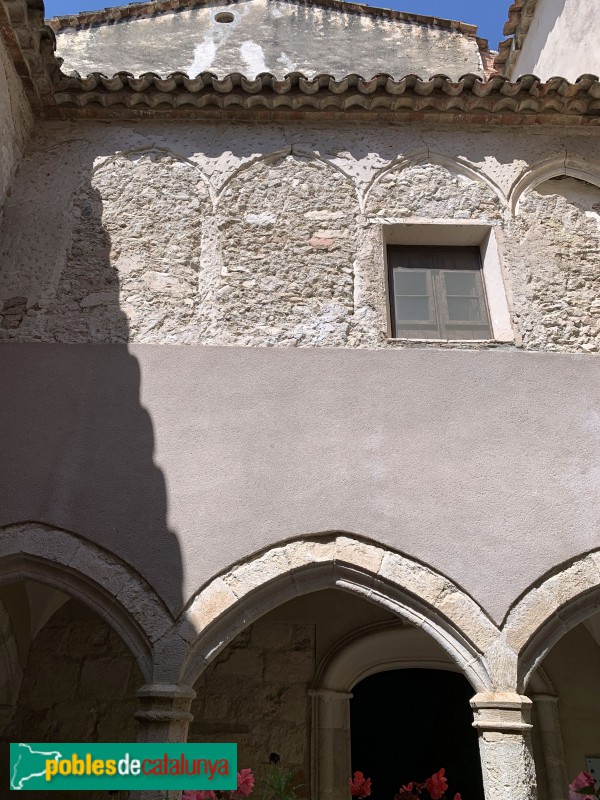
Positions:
(408, 723)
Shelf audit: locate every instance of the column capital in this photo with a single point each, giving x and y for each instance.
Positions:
(166, 690)
(504, 712)
(164, 712)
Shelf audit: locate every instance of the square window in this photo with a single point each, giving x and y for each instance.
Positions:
(437, 293)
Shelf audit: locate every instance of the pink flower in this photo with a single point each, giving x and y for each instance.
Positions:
(245, 784)
(583, 781)
(457, 796)
(437, 785)
(359, 787)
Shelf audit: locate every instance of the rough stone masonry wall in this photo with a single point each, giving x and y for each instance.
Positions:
(78, 685)
(16, 121)
(558, 305)
(132, 267)
(235, 240)
(255, 693)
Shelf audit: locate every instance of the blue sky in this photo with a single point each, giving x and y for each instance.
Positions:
(489, 15)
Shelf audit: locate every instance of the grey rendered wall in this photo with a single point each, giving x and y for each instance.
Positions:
(183, 460)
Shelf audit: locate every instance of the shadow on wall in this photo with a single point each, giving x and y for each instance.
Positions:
(94, 472)
(78, 408)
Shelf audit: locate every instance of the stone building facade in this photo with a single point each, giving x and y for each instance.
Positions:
(231, 494)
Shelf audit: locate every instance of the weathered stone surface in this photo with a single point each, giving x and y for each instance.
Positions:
(468, 618)
(283, 282)
(530, 614)
(130, 273)
(16, 122)
(292, 666)
(415, 578)
(206, 607)
(431, 191)
(301, 553)
(39, 540)
(253, 574)
(255, 693)
(79, 683)
(359, 554)
(508, 767)
(539, 605)
(146, 608)
(551, 253)
(277, 37)
(272, 236)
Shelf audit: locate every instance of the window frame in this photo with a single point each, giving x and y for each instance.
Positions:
(446, 232)
(439, 314)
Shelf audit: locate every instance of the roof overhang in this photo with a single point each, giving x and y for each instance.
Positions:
(470, 100)
(438, 99)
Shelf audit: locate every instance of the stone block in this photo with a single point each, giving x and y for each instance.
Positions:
(527, 617)
(290, 667)
(308, 551)
(216, 706)
(106, 677)
(359, 554)
(468, 618)
(575, 580)
(303, 637)
(213, 600)
(145, 606)
(415, 578)
(272, 635)
(295, 704)
(254, 574)
(247, 663)
(102, 567)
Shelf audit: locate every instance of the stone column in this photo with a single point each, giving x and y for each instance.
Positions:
(503, 722)
(331, 744)
(548, 727)
(164, 716)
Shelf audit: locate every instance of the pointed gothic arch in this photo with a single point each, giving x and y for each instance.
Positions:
(412, 591)
(546, 170)
(555, 604)
(425, 157)
(96, 577)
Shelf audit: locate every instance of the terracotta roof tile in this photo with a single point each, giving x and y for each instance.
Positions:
(527, 97)
(470, 100)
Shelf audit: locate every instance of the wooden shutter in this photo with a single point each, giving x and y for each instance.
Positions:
(437, 293)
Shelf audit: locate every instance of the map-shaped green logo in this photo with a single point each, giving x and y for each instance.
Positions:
(126, 766)
(28, 764)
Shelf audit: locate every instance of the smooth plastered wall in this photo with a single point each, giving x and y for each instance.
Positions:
(183, 460)
(561, 40)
